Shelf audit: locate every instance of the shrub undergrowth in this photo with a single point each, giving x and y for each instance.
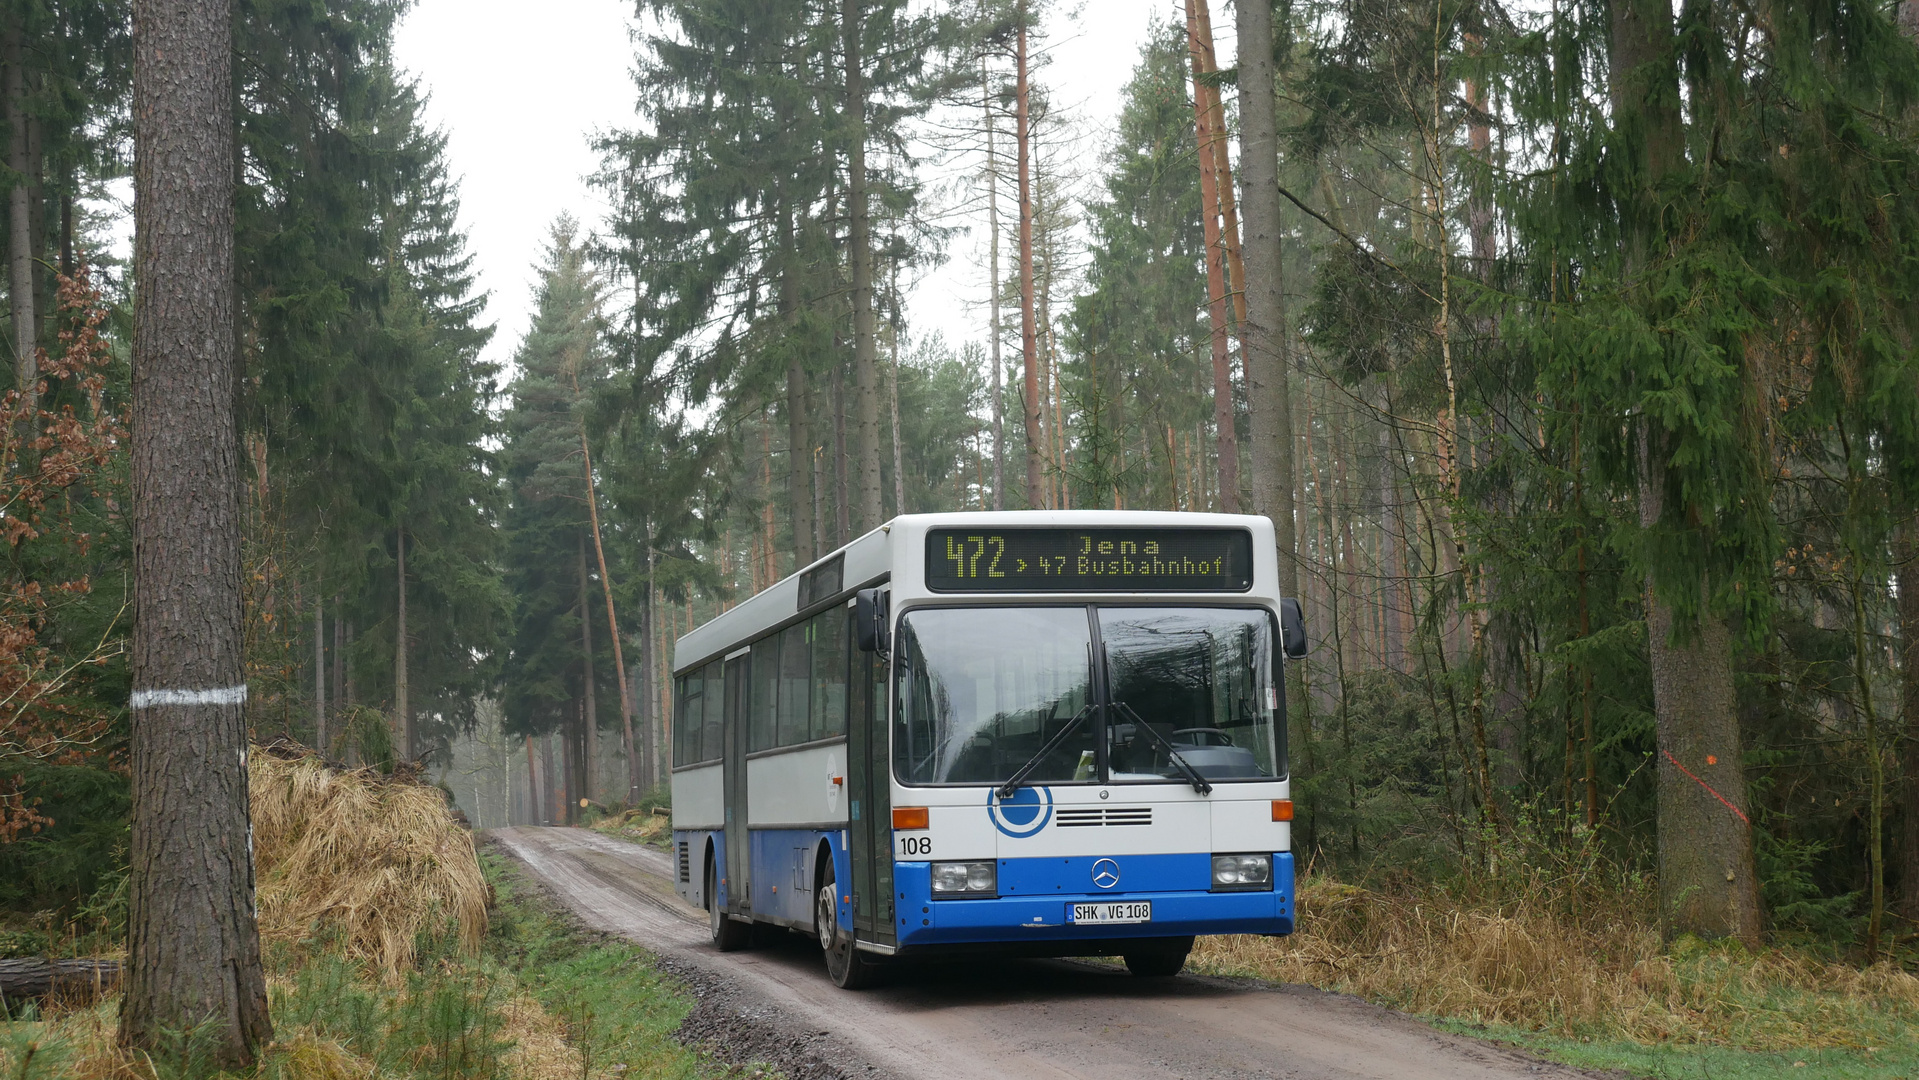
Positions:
(509, 991)
(1559, 946)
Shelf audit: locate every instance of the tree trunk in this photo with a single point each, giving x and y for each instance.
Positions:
(992, 276)
(1707, 884)
(1264, 336)
(1028, 332)
(533, 804)
(1225, 437)
(554, 812)
(319, 669)
(799, 454)
(1223, 173)
(893, 398)
(33, 977)
(1907, 561)
(193, 942)
(860, 249)
(633, 789)
(20, 281)
(589, 712)
(656, 713)
(402, 710)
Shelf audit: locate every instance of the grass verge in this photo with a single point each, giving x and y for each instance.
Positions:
(461, 971)
(1573, 970)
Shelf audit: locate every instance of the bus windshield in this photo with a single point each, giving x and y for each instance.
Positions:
(983, 691)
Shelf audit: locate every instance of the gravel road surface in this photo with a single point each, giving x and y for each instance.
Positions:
(1000, 1018)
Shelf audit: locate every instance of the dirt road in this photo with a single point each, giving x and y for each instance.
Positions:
(1002, 1018)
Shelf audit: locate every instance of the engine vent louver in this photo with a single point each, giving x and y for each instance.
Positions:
(1082, 817)
(686, 864)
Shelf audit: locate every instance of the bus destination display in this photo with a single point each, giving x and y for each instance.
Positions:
(1089, 560)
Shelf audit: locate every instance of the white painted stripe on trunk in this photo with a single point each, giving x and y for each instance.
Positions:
(226, 695)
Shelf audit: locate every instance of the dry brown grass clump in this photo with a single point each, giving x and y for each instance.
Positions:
(376, 861)
(1570, 964)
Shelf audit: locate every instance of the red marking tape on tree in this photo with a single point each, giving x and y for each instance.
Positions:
(1740, 814)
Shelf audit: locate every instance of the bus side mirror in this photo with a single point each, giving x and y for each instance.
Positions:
(869, 620)
(1292, 629)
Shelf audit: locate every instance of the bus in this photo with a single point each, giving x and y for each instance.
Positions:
(1033, 733)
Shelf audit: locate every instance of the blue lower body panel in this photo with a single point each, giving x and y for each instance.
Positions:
(1036, 900)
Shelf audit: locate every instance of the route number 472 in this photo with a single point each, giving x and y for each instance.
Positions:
(912, 846)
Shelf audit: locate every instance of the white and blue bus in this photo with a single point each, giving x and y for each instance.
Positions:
(1033, 733)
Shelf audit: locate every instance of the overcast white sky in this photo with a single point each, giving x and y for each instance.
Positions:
(521, 98)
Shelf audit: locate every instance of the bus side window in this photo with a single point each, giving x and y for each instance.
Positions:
(796, 672)
(708, 746)
(829, 633)
(763, 706)
(685, 702)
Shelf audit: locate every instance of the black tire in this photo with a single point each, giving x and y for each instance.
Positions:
(728, 934)
(1158, 958)
(845, 964)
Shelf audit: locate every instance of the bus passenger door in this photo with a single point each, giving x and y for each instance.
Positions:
(871, 827)
(738, 863)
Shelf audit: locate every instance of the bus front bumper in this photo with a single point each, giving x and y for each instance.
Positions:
(1047, 917)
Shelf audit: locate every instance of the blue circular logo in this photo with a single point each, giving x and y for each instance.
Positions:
(1023, 815)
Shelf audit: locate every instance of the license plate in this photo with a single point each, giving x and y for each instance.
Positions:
(1135, 912)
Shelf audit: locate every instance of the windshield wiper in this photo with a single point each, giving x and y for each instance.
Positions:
(1199, 782)
(1018, 779)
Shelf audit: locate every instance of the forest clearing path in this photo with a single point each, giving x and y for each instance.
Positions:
(1002, 1018)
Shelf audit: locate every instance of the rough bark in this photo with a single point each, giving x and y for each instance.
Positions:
(1028, 331)
(1707, 882)
(193, 944)
(866, 404)
(35, 977)
(1226, 439)
(1265, 357)
(20, 278)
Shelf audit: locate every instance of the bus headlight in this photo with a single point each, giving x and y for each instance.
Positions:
(1242, 872)
(965, 879)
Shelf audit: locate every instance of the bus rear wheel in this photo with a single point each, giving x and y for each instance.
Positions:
(728, 936)
(1157, 958)
(845, 965)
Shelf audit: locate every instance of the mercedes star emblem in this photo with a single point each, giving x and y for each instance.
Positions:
(1106, 873)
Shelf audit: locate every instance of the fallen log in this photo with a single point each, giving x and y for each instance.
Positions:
(34, 977)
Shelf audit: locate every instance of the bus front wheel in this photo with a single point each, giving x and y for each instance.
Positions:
(844, 963)
(728, 935)
(1158, 958)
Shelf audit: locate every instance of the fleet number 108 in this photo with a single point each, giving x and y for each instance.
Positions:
(916, 845)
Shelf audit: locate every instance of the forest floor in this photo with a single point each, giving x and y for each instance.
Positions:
(1579, 976)
(524, 992)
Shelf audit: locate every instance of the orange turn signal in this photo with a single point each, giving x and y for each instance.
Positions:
(1282, 809)
(909, 817)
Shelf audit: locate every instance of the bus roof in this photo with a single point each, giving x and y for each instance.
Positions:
(870, 558)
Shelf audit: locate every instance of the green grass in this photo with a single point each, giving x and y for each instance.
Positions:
(617, 1007)
(1706, 1062)
(542, 1001)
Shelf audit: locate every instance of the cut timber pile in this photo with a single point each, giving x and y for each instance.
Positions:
(32, 978)
(377, 860)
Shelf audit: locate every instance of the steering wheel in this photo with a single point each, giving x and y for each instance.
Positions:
(1222, 738)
